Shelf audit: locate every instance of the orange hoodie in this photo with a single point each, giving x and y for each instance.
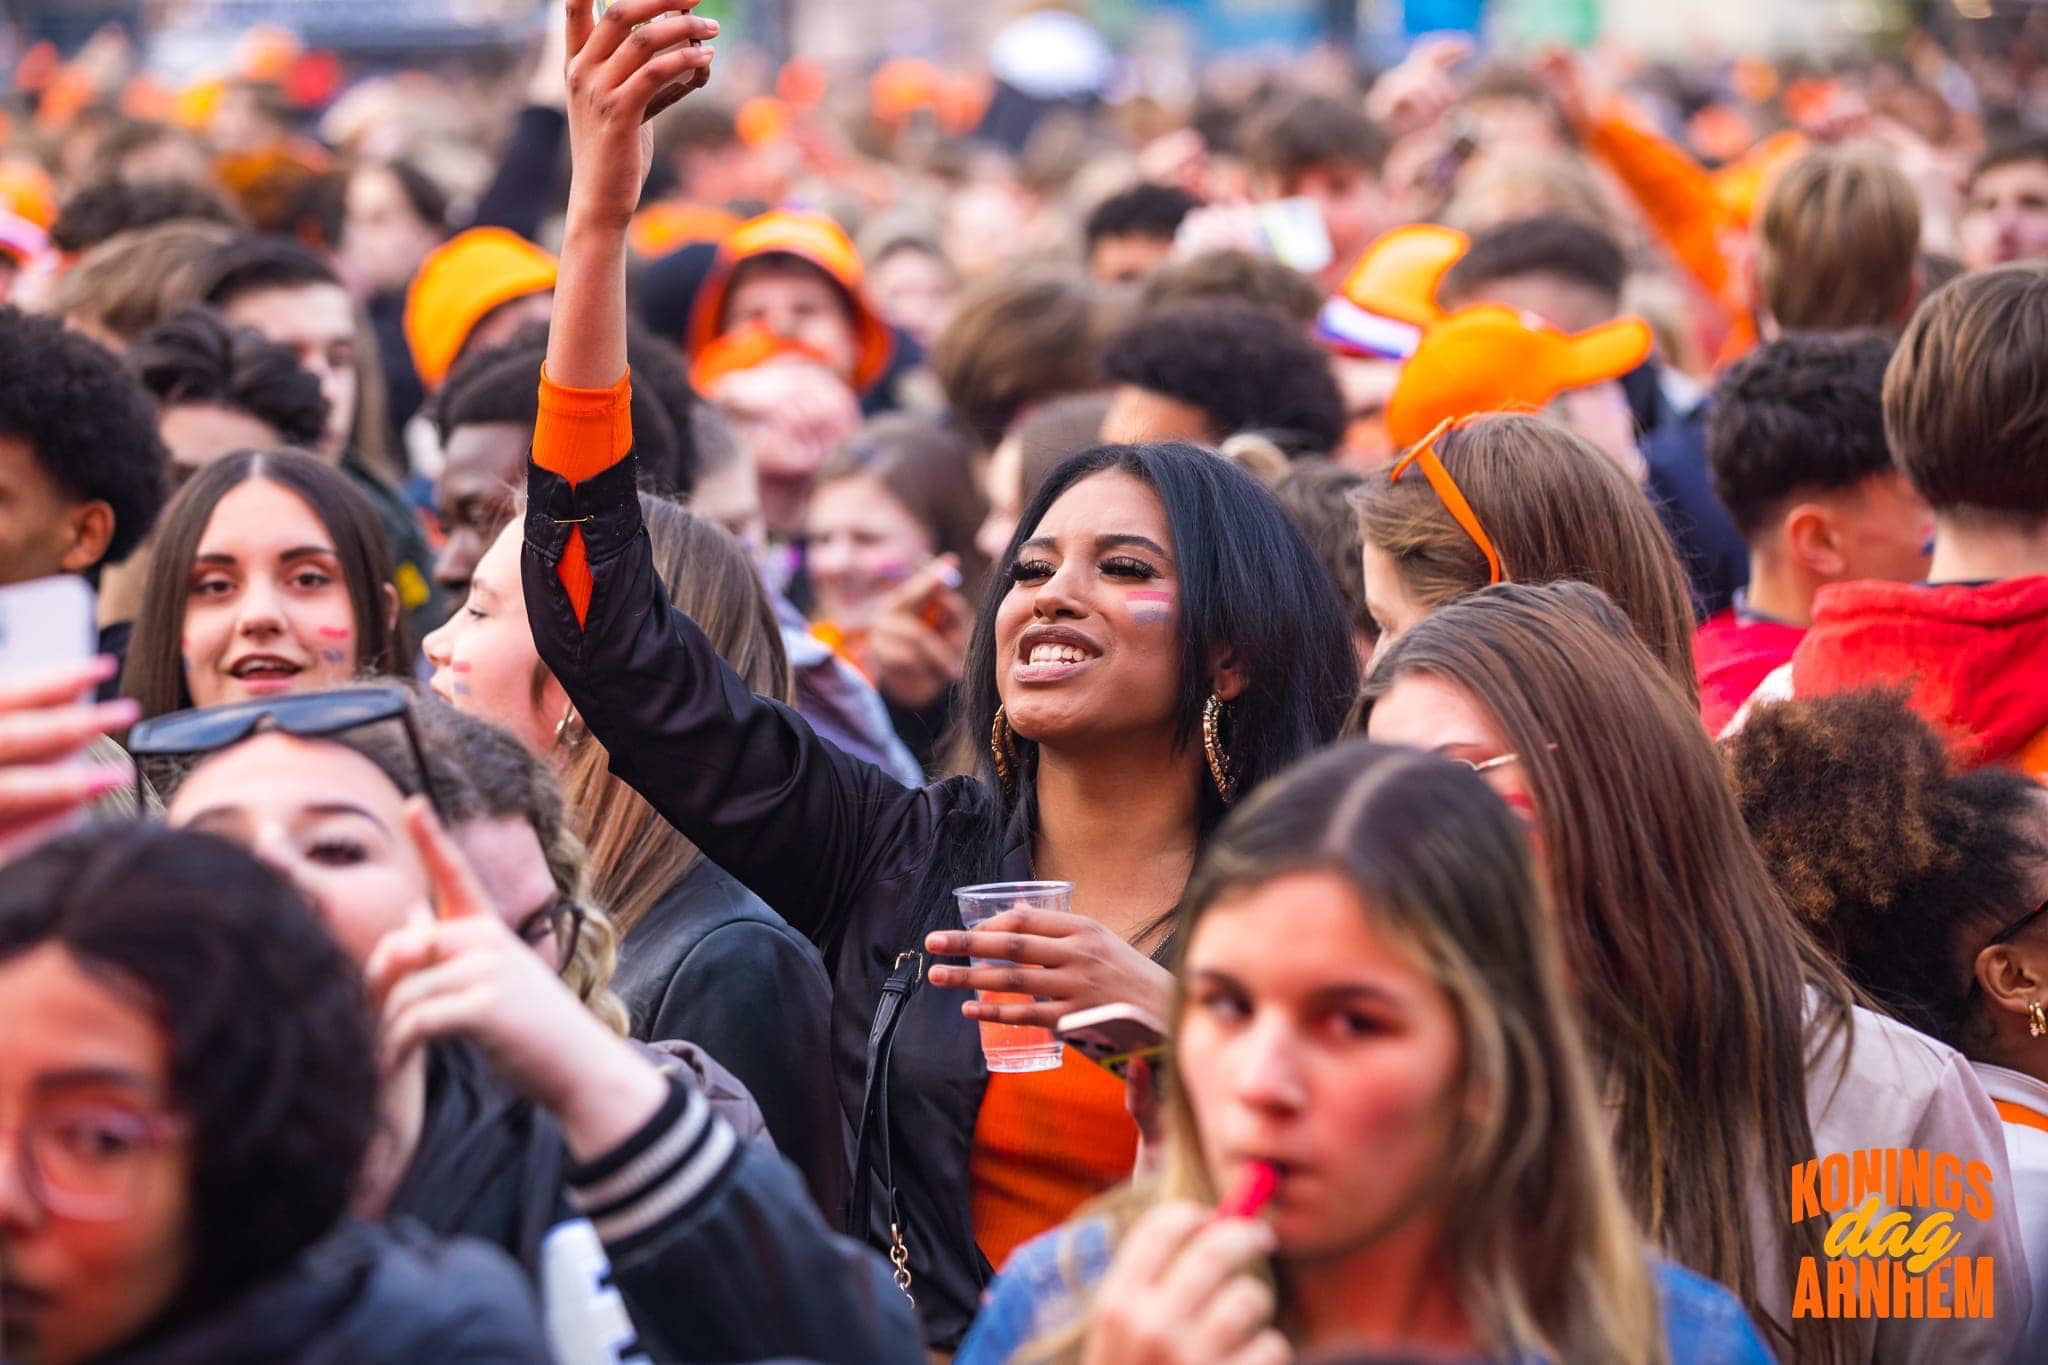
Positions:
(1976, 657)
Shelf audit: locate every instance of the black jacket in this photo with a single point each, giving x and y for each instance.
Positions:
(684, 1244)
(841, 848)
(368, 1296)
(711, 965)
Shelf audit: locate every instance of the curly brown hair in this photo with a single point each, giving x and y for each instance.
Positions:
(1902, 869)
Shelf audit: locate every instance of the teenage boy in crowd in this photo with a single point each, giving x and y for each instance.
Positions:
(1797, 448)
(1837, 247)
(2005, 205)
(1322, 149)
(292, 295)
(1966, 413)
(1131, 232)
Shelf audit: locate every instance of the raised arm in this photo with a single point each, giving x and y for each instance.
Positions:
(802, 824)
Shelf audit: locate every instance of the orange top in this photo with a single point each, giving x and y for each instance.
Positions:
(1045, 1143)
(670, 224)
(580, 434)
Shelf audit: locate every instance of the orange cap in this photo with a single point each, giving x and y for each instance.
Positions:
(1487, 358)
(26, 189)
(1390, 295)
(460, 281)
(809, 237)
(744, 349)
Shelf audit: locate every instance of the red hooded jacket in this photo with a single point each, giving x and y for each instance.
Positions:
(1976, 657)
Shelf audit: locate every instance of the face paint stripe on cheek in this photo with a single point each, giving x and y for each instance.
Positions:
(1153, 607)
(334, 632)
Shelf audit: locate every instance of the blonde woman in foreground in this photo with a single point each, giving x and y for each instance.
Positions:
(1371, 1006)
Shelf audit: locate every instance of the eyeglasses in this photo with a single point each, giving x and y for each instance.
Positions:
(307, 715)
(562, 919)
(2012, 930)
(90, 1162)
(1448, 492)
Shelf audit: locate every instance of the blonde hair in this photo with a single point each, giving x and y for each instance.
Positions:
(636, 855)
(135, 279)
(1543, 1251)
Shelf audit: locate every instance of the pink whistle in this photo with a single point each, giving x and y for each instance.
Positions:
(1254, 1190)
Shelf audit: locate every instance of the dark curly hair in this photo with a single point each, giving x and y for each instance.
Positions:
(272, 1058)
(100, 210)
(501, 383)
(1142, 210)
(1245, 367)
(1902, 869)
(195, 357)
(1804, 412)
(86, 422)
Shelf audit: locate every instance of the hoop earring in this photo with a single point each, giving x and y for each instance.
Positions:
(1002, 747)
(1220, 771)
(562, 725)
(2037, 1020)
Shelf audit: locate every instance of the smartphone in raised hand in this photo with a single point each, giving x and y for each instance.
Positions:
(1111, 1035)
(46, 624)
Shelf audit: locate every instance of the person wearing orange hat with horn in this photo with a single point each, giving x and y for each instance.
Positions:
(1490, 358)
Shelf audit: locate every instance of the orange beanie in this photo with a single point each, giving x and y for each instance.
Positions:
(462, 280)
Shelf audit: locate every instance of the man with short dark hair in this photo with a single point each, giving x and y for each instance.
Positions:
(1131, 232)
(1797, 449)
(1206, 372)
(2005, 205)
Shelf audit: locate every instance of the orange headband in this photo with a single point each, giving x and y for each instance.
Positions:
(1448, 492)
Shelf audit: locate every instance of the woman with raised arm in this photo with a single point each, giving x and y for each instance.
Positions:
(1166, 639)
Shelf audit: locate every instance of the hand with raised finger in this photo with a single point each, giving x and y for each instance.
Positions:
(461, 973)
(1065, 962)
(43, 728)
(622, 69)
(1184, 1288)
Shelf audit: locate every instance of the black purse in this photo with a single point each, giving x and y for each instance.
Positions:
(873, 1158)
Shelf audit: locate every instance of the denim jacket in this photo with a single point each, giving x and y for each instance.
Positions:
(1045, 1282)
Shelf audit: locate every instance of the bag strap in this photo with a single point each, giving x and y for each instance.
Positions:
(873, 1155)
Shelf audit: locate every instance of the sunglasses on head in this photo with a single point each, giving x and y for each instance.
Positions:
(1453, 497)
(305, 715)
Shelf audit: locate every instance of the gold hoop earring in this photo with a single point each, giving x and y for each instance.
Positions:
(1002, 746)
(1220, 771)
(2037, 1020)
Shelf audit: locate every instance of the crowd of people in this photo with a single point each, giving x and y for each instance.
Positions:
(1508, 596)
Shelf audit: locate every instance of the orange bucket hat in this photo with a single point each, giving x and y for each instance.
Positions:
(1390, 295)
(809, 237)
(1487, 358)
(462, 280)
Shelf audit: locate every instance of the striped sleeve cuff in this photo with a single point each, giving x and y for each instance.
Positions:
(659, 1174)
(583, 432)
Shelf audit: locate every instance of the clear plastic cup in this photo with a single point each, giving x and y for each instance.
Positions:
(1013, 1047)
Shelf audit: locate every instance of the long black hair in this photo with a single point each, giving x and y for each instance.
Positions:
(1250, 585)
(272, 1060)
